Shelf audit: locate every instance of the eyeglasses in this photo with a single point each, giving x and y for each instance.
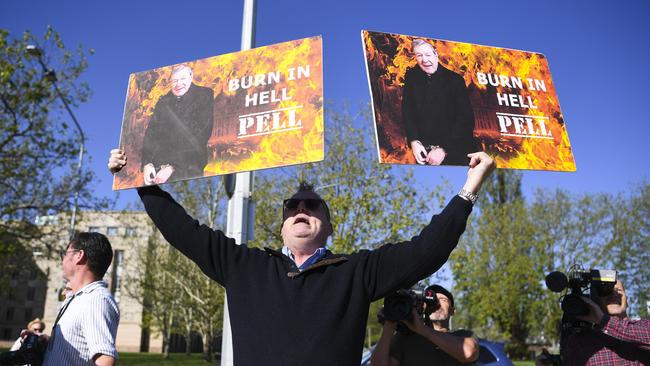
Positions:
(63, 253)
(311, 204)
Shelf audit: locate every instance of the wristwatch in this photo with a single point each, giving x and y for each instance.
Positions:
(467, 195)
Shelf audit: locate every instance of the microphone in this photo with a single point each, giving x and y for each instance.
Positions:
(556, 281)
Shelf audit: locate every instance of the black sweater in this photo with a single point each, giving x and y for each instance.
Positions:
(314, 317)
(436, 110)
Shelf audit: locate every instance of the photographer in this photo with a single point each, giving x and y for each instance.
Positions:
(612, 338)
(36, 326)
(431, 341)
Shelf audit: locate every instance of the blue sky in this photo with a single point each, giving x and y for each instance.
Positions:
(598, 53)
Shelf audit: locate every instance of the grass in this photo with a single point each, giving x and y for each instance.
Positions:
(153, 359)
(524, 363)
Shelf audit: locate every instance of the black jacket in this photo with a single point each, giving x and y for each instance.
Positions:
(436, 110)
(280, 316)
(178, 132)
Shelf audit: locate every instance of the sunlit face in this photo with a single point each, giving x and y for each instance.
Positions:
(37, 328)
(303, 227)
(444, 312)
(426, 57)
(68, 260)
(614, 304)
(181, 81)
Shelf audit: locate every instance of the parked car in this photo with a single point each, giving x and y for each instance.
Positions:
(490, 354)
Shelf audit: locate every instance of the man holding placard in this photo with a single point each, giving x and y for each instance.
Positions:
(304, 305)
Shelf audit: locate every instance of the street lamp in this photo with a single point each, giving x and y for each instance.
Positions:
(50, 75)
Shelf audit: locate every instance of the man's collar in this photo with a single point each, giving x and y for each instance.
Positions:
(313, 258)
(92, 287)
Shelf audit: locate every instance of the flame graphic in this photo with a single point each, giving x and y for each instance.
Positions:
(228, 153)
(389, 56)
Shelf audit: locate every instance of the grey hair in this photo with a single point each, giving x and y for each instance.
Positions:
(419, 42)
(181, 67)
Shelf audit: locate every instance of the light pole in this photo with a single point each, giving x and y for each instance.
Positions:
(50, 75)
(239, 188)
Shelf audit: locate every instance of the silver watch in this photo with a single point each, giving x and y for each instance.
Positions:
(469, 196)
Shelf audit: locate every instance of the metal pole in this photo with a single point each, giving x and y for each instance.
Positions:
(239, 205)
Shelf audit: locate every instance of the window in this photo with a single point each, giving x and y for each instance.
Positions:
(116, 275)
(111, 231)
(130, 231)
(95, 229)
(485, 356)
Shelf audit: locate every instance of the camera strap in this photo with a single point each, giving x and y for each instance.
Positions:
(62, 310)
(58, 317)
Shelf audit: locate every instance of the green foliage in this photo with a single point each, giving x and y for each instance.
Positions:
(495, 267)
(38, 149)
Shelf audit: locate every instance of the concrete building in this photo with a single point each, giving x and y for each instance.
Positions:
(37, 290)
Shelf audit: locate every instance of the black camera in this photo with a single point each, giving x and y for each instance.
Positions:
(600, 281)
(31, 352)
(400, 304)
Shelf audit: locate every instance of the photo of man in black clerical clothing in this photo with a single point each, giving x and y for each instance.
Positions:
(175, 142)
(437, 115)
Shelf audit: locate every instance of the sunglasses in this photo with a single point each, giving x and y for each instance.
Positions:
(311, 204)
(63, 253)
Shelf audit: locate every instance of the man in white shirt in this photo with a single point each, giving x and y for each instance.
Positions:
(85, 328)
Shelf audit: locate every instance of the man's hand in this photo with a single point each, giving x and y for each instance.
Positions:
(116, 161)
(436, 156)
(595, 315)
(104, 360)
(390, 326)
(481, 166)
(416, 324)
(42, 337)
(419, 152)
(163, 174)
(149, 173)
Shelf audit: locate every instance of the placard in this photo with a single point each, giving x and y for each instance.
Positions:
(435, 101)
(255, 109)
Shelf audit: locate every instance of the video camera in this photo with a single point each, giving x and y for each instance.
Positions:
(31, 352)
(579, 283)
(398, 305)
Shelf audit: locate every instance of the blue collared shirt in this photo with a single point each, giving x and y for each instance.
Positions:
(318, 254)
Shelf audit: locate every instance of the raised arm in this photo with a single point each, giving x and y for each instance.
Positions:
(401, 265)
(210, 249)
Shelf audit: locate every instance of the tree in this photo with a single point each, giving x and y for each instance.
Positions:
(495, 270)
(38, 150)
